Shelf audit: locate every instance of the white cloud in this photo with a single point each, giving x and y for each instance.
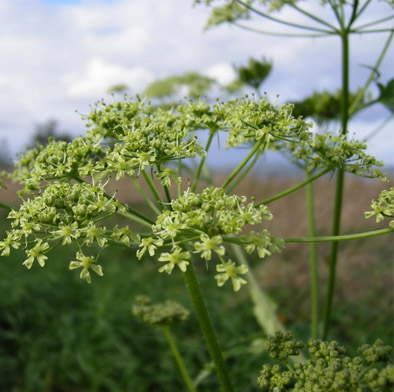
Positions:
(223, 72)
(100, 75)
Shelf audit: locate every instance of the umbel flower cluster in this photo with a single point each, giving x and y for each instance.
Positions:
(205, 222)
(329, 369)
(164, 313)
(383, 207)
(320, 151)
(64, 198)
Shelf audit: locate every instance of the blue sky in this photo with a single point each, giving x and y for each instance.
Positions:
(60, 56)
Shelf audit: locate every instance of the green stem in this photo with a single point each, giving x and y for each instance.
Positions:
(339, 186)
(353, 17)
(5, 206)
(279, 34)
(152, 187)
(360, 94)
(178, 359)
(245, 172)
(134, 218)
(207, 329)
(337, 14)
(267, 16)
(201, 165)
(373, 31)
(293, 188)
(375, 22)
(379, 127)
(313, 17)
(363, 8)
(145, 196)
(345, 237)
(243, 163)
(179, 185)
(167, 192)
(313, 262)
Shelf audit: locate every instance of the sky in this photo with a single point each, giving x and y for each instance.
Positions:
(58, 57)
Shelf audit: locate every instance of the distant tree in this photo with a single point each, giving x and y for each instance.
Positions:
(118, 89)
(46, 130)
(5, 156)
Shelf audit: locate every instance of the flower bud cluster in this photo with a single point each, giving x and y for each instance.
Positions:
(252, 121)
(383, 207)
(282, 345)
(59, 160)
(329, 369)
(320, 151)
(165, 313)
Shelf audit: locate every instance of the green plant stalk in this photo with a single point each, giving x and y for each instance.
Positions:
(179, 185)
(5, 206)
(353, 107)
(254, 30)
(245, 173)
(243, 163)
(375, 22)
(293, 188)
(178, 359)
(339, 187)
(145, 196)
(167, 192)
(207, 329)
(312, 16)
(345, 237)
(152, 187)
(313, 262)
(264, 15)
(201, 165)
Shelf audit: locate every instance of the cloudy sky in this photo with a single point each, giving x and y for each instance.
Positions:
(60, 56)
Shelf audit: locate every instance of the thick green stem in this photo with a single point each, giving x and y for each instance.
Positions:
(345, 237)
(293, 188)
(313, 262)
(339, 186)
(178, 359)
(207, 329)
(243, 163)
(333, 253)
